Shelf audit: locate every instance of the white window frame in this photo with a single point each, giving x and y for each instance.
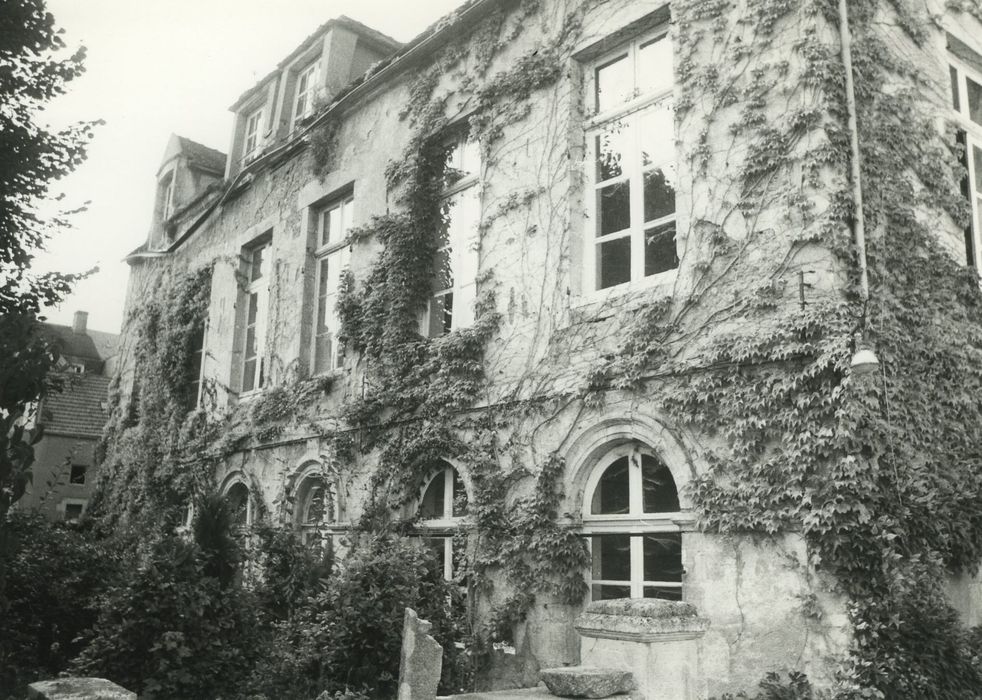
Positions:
(462, 247)
(635, 523)
(334, 252)
(446, 526)
(258, 290)
(973, 139)
(303, 102)
(628, 113)
(252, 139)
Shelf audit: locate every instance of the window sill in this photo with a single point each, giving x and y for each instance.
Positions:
(662, 282)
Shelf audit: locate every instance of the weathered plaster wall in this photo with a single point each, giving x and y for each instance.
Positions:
(768, 609)
(53, 458)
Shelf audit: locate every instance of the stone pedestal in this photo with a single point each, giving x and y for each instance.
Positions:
(421, 661)
(78, 689)
(656, 640)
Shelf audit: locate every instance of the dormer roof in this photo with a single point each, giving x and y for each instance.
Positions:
(199, 156)
(383, 42)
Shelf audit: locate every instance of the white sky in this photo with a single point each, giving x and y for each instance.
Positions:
(156, 68)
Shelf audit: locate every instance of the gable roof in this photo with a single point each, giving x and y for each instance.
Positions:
(202, 157)
(80, 409)
(80, 345)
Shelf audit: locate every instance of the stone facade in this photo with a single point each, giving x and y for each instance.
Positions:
(766, 606)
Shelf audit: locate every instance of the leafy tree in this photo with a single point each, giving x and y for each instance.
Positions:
(31, 158)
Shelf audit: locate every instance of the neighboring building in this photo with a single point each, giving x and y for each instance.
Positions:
(64, 467)
(590, 200)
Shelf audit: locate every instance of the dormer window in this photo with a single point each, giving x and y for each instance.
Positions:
(253, 134)
(167, 201)
(306, 90)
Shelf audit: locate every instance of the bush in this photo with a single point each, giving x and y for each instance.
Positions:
(54, 573)
(171, 631)
(349, 633)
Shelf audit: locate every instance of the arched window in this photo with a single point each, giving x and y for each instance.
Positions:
(443, 504)
(630, 514)
(316, 512)
(240, 501)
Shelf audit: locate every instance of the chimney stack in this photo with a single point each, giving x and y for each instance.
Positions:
(78, 325)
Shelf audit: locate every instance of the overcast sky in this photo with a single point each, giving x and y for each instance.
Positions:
(156, 68)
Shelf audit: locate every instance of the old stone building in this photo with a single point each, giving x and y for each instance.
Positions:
(64, 469)
(608, 189)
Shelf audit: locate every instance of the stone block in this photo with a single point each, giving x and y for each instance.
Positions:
(421, 661)
(655, 640)
(586, 681)
(73, 688)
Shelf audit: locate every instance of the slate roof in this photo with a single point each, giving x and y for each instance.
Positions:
(80, 345)
(79, 409)
(202, 157)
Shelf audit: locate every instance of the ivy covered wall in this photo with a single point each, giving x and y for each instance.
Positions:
(827, 509)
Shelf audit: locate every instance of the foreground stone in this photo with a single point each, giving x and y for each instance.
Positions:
(78, 689)
(586, 681)
(421, 661)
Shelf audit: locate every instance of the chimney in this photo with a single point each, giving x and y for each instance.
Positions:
(78, 325)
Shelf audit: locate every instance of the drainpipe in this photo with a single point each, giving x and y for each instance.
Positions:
(859, 228)
(864, 360)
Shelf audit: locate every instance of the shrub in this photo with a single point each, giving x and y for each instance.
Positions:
(171, 631)
(54, 572)
(349, 634)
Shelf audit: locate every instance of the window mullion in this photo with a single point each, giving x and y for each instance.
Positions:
(637, 202)
(637, 566)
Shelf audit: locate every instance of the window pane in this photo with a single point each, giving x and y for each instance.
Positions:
(323, 276)
(614, 208)
(663, 557)
(459, 496)
(974, 100)
(315, 511)
(438, 546)
(656, 132)
(611, 145)
(440, 315)
(663, 592)
(73, 511)
(659, 494)
(977, 159)
(443, 272)
(612, 493)
(258, 264)
(955, 97)
(323, 347)
(253, 309)
(238, 502)
(614, 262)
(77, 475)
(249, 375)
(605, 592)
(614, 84)
(655, 66)
(611, 557)
(432, 505)
(660, 252)
(659, 192)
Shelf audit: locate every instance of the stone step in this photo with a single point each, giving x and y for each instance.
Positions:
(540, 692)
(587, 681)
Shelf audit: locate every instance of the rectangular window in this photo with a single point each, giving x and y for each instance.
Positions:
(456, 264)
(966, 101)
(306, 90)
(631, 165)
(253, 134)
(331, 256)
(73, 512)
(257, 307)
(77, 475)
(197, 365)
